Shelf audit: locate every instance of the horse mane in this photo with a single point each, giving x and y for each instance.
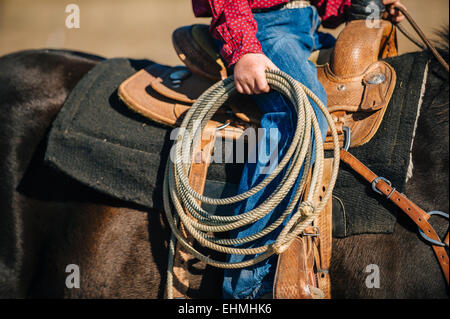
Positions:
(441, 109)
(442, 43)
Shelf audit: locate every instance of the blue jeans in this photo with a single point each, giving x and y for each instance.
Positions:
(287, 37)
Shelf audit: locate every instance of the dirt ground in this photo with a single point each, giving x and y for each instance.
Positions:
(135, 28)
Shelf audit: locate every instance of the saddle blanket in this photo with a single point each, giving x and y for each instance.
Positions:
(96, 140)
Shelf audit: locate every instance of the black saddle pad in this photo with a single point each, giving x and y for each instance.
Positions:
(98, 141)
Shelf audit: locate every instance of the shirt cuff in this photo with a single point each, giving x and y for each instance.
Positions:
(239, 45)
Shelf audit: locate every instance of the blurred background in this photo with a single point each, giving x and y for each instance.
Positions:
(137, 28)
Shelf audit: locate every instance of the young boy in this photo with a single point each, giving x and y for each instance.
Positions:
(257, 35)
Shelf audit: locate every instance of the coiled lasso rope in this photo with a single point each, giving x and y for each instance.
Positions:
(199, 223)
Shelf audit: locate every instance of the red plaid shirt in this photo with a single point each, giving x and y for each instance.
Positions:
(233, 22)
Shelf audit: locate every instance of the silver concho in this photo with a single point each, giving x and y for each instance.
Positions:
(376, 78)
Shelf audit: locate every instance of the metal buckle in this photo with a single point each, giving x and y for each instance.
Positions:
(316, 234)
(375, 182)
(428, 239)
(228, 122)
(347, 137)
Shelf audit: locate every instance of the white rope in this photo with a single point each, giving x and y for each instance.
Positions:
(198, 222)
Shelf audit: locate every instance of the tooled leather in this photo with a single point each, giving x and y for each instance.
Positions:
(351, 99)
(197, 177)
(324, 241)
(374, 97)
(352, 94)
(362, 106)
(201, 157)
(306, 262)
(365, 121)
(360, 44)
(292, 278)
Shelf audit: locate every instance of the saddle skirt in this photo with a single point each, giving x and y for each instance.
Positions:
(164, 94)
(358, 83)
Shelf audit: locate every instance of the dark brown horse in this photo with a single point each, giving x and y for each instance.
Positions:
(48, 221)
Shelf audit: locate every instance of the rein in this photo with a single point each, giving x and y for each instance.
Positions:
(422, 36)
(182, 204)
(383, 186)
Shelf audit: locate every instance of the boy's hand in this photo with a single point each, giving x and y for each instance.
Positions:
(396, 15)
(249, 76)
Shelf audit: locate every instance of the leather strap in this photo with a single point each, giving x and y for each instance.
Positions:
(197, 179)
(294, 276)
(324, 241)
(303, 269)
(419, 216)
(202, 158)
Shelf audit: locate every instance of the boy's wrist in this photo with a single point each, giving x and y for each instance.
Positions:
(233, 53)
(249, 73)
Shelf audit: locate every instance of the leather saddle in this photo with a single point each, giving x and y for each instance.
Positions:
(164, 94)
(358, 84)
